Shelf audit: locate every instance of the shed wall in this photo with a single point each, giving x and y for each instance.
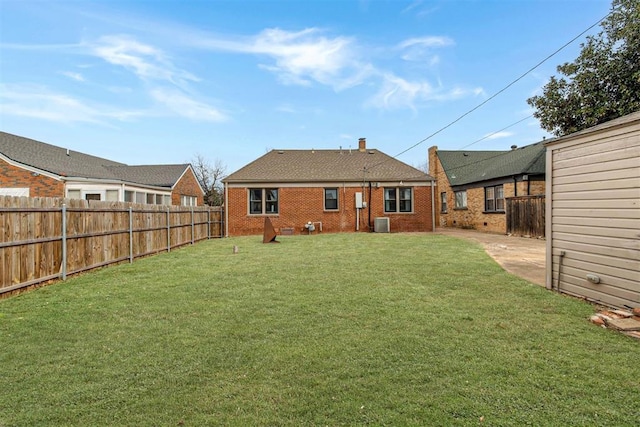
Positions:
(593, 213)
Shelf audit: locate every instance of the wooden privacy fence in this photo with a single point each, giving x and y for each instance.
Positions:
(48, 238)
(525, 215)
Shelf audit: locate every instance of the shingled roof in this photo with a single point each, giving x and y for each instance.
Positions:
(326, 166)
(466, 167)
(74, 164)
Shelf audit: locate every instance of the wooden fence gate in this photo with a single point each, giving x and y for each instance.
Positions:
(525, 215)
(42, 239)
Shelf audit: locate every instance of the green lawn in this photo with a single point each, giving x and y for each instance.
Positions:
(342, 329)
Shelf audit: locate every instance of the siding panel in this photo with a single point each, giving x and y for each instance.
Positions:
(579, 248)
(598, 176)
(609, 222)
(582, 169)
(581, 230)
(596, 213)
(612, 194)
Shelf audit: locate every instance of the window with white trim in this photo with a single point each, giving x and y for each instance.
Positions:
(461, 199)
(443, 202)
(74, 194)
(112, 195)
(188, 200)
(263, 201)
(494, 199)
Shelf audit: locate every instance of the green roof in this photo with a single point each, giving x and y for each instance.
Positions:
(466, 167)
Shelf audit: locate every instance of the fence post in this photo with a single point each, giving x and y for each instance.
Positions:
(193, 230)
(168, 229)
(64, 242)
(208, 222)
(130, 235)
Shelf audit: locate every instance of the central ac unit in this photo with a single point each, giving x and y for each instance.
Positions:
(381, 225)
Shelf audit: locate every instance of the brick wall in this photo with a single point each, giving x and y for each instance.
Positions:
(187, 186)
(473, 216)
(299, 205)
(39, 186)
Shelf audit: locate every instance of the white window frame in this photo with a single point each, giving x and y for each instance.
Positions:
(461, 199)
(188, 200)
(443, 202)
(492, 196)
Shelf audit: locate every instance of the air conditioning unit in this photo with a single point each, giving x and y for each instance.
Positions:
(381, 225)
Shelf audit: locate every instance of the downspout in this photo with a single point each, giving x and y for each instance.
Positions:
(433, 205)
(560, 258)
(528, 187)
(369, 207)
(226, 210)
(515, 187)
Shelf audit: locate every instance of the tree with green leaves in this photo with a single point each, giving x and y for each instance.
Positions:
(603, 83)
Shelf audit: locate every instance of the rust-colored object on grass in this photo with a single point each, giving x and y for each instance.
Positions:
(269, 235)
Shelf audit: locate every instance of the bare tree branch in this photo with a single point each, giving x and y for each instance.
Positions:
(210, 178)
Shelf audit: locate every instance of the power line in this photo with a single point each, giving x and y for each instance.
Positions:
(498, 131)
(499, 92)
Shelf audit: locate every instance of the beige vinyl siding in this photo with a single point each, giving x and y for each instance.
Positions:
(593, 183)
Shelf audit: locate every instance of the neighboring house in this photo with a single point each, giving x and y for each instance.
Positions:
(473, 185)
(36, 169)
(593, 213)
(334, 190)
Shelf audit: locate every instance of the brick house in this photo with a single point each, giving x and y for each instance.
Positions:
(331, 190)
(36, 169)
(473, 185)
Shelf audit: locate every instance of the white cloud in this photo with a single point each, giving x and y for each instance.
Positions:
(498, 135)
(421, 49)
(73, 76)
(185, 106)
(285, 108)
(430, 41)
(302, 57)
(147, 62)
(397, 93)
(39, 103)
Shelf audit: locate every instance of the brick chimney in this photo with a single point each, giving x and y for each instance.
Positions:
(433, 161)
(362, 144)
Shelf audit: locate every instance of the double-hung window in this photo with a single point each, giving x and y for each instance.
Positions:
(494, 199)
(184, 200)
(443, 202)
(330, 199)
(461, 199)
(398, 199)
(263, 201)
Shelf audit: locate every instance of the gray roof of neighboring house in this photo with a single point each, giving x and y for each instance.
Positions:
(69, 163)
(158, 175)
(466, 167)
(326, 165)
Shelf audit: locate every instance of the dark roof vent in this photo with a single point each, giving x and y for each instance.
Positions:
(513, 147)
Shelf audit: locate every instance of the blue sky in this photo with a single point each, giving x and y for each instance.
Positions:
(154, 82)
